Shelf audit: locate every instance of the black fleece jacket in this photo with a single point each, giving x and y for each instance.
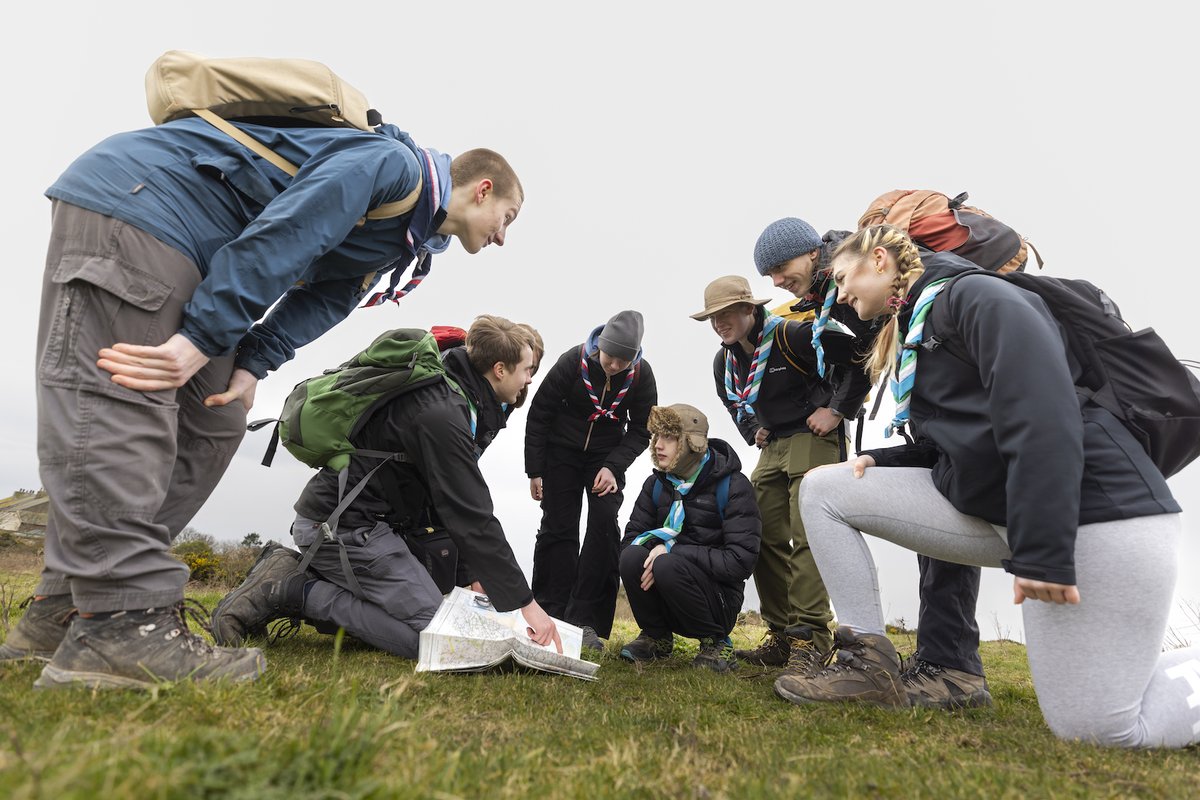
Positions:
(440, 483)
(726, 549)
(558, 415)
(1006, 435)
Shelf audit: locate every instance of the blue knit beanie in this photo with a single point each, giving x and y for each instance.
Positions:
(783, 240)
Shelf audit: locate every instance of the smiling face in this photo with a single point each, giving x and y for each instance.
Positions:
(865, 284)
(734, 322)
(795, 276)
(487, 217)
(508, 381)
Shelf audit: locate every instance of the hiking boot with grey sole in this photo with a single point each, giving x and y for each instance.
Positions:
(648, 648)
(930, 685)
(40, 631)
(140, 649)
(273, 589)
(864, 669)
(592, 640)
(774, 651)
(716, 654)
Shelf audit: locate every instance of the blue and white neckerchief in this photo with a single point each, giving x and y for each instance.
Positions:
(741, 395)
(819, 326)
(906, 356)
(674, 521)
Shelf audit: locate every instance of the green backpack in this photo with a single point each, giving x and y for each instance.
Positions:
(322, 414)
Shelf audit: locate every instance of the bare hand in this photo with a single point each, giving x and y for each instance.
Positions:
(242, 385)
(152, 369)
(535, 488)
(648, 566)
(541, 628)
(823, 421)
(861, 464)
(477, 587)
(605, 483)
(1059, 593)
(760, 437)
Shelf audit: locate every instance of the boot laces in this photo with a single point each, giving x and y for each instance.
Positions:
(283, 627)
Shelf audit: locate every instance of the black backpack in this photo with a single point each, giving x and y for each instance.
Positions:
(1131, 374)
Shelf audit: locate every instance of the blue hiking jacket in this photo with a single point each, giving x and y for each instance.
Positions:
(257, 234)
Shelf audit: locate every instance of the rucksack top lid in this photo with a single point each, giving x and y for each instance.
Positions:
(306, 91)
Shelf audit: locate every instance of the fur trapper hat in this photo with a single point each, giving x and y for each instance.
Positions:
(689, 424)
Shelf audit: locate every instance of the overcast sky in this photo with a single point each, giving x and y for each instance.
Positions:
(655, 141)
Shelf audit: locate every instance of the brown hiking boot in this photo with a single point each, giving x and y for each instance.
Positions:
(139, 649)
(273, 589)
(865, 669)
(931, 685)
(803, 657)
(772, 652)
(40, 630)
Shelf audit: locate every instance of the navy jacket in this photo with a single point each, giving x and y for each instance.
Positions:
(258, 235)
(1006, 435)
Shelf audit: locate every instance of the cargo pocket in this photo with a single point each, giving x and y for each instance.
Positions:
(98, 301)
(806, 451)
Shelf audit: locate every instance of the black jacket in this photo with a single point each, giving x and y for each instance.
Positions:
(558, 415)
(440, 484)
(791, 390)
(1005, 435)
(725, 549)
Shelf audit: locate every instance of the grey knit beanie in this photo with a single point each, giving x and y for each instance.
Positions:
(622, 335)
(783, 240)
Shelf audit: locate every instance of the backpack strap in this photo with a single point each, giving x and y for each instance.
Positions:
(722, 493)
(397, 208)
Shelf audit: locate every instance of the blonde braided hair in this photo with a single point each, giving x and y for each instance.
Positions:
(857, 247)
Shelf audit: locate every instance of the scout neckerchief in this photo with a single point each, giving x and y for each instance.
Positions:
(422, 220)
(906, 357)
(673, 524)
(611, 411)
(744, 396)
(819, 327)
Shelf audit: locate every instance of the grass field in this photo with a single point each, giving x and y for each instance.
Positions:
(359, 723)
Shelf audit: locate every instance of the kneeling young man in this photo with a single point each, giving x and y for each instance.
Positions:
(691, 542)
(392, 597)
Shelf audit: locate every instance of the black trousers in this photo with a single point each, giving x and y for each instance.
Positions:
(947, 633)
(684, 598)
(578, 585)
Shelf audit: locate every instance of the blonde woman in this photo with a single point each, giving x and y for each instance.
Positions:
(1008, 468)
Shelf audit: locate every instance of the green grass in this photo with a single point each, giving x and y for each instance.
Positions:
(364, 724)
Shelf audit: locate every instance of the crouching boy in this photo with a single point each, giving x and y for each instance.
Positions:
(691, 542)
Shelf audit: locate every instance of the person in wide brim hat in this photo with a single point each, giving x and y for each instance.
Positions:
(725, 292)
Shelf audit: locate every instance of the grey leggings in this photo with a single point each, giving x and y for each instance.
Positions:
(1097, 666)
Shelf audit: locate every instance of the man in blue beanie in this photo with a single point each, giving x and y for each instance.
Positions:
(946, 671)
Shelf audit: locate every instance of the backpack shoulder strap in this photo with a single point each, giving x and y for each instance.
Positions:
(785, 349)
(723, 494)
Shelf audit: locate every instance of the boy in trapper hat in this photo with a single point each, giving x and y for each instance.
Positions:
(946, 671)
(766, 375)
(586, 425)
(691, 542)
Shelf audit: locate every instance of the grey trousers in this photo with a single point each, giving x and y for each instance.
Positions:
(1098, 667)
(125, 471)
(400, 598)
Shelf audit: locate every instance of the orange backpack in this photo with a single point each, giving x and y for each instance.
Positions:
(940, 223)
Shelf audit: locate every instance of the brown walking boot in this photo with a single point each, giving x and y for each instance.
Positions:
(804, 657)
(40, 630)
(931, 685)
(864, 669)
(772, 652)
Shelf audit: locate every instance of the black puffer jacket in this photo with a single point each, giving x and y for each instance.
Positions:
(726, 549)
(440, 483)
(558, 415)
(1005, 435)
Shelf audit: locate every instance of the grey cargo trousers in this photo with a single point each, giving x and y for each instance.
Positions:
(125, 471)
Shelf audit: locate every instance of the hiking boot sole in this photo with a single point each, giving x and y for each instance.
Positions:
(12, 655)
(979, 699)
(801, 700)
(55, 678)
